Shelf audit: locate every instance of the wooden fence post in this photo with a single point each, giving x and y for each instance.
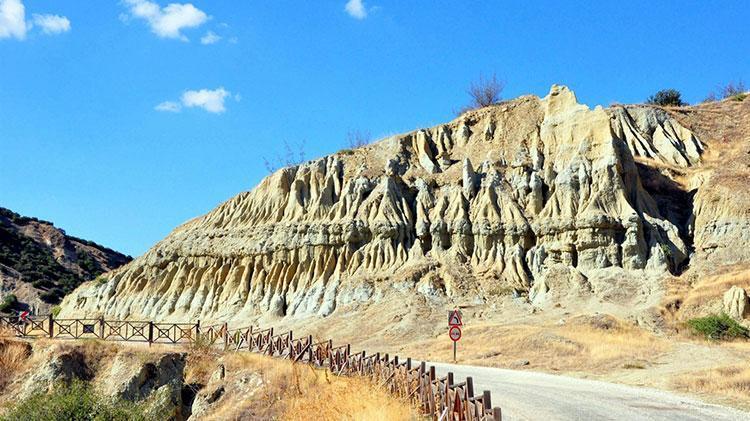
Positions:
(150, 333)
(470, 387)
(197, 330)
(101, 327)
(487, 401)
(310, 349)
(497, 414)
(51, 326)
(225, 336)
(250, 339)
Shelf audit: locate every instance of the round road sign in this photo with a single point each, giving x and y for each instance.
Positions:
(455, 333)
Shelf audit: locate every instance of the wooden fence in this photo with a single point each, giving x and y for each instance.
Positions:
(438, 398)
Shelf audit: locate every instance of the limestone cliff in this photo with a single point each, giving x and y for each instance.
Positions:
(512, 197)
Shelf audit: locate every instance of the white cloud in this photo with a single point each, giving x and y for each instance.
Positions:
(169, 21)
(12, 19)
(211, 100)
(13, 22)
(52, 24)
(356, 9)
(169, 106)
(210, 38)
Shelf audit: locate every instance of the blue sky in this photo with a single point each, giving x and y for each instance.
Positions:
(119, 120)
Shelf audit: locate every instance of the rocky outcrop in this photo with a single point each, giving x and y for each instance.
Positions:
(504, 194)
(736, 302)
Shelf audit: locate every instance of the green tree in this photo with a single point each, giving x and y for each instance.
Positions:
(667, 97)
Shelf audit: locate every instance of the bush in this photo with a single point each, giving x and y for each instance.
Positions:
(666, 97)
(294, 154)
(74, 402)
(356, 139)
(734, 90)
(483, 93)
(9, 303)
(718, 327)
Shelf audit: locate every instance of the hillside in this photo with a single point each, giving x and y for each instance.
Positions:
(539, 199)
(40, 264)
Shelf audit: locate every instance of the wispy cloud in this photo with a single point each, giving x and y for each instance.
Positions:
(356, 9)
(210, 38)
(169, 106)
(210, 100)
(52, 24)
(13, 22)
(168, 21)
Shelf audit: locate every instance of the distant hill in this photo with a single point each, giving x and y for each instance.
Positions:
(40, 264)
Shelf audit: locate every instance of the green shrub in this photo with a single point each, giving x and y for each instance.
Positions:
(9, 303)
(718, 327)
(666, 97)
(55, 311)
(74, 402)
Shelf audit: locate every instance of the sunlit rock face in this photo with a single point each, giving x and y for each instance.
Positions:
(507, 194)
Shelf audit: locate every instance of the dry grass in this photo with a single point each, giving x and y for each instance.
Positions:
(592, 344)
(299, 392)
(714, 287)
(730, 382)
(13, 357)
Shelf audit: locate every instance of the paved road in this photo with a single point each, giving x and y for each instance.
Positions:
(526, 395)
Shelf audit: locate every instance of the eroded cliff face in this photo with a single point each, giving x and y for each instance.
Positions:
(513, 197)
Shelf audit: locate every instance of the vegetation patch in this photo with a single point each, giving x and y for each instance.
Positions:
(8, 304)
(667, 97)
(74, 402)
(718, 327)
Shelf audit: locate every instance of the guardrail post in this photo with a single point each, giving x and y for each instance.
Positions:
(250, 339)
(408, 363)
(51, 326)
(150, 333)
(470, 387)
(225, 328)
(487, 401)
(497, 414)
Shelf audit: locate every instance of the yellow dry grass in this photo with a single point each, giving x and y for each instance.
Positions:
(13, 357)
(581, 344)
(300, 392)
(729, 382)
(713, 287)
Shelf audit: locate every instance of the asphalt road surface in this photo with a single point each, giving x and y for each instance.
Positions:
(526, 395)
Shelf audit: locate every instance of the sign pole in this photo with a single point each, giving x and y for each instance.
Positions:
(454, 352)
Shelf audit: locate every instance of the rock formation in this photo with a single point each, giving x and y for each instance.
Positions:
(736, 302)
(502, 197)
